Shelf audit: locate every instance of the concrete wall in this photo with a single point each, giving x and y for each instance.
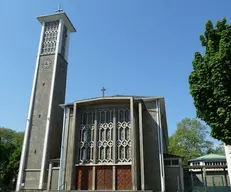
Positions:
(57, 111)
(71, 148)
(38, 123)
(32, 179)
(164, 126)
(151, 151)
(69, 163)
(39, 119)
(39, 114)
(136, 124)
(216, 181)
(213, 178)
(54, 178)
(172, 179)
(151, 148)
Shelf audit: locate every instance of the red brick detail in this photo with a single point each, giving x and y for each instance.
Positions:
(123, 177)
(103, 178)
(84, 178)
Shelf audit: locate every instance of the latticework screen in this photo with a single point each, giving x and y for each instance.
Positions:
(50, 37)
(102, 122)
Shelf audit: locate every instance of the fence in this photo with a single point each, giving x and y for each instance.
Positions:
(213, 181)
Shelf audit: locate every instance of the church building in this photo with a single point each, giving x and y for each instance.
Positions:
(108, 143)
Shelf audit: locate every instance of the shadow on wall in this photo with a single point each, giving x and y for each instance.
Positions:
(151, 151)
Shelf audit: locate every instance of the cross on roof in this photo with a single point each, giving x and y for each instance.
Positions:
(103, 90)
(59, 9)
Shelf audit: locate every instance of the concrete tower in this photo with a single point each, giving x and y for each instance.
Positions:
(43, 131)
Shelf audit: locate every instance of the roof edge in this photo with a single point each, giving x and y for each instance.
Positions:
(62, 15)
(209, 157)
(136, 98)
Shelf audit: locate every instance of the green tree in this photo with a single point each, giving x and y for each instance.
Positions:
(219, 149)
(10, 152)
(210, 80)
(210, 84)
(190, 140)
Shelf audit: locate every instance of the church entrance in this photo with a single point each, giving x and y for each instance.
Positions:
(104, 178)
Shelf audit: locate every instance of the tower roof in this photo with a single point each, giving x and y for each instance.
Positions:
(57, 16)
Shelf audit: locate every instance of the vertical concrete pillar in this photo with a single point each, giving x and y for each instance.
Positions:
(134, 155)
(65, 148)
(181, 174)
(192, 179)
(62, 150)
(160, 143)
(204, 178)
(114, 151)
(93, 177)
(49, 176)
(226, 180)
(141, 147)
(71, 153)
(95, 150)
(228, 160)
(75, 146)
(178, 183)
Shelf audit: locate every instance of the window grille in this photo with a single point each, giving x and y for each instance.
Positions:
(105, 130)
(105, 136)
(50, 37)
(123, 136)
(170, 162)
(175, 162)
(167, 162)
(86, 137)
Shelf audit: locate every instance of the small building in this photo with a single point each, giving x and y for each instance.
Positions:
(174, 176)
(209, 172)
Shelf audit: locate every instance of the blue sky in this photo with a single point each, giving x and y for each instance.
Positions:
(134, 47)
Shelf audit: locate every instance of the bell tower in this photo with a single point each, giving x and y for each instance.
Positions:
(43, 131)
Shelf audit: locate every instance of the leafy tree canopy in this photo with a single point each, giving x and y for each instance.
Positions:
(219, 149)
(190, 140)
(210, 80)
(10, 152)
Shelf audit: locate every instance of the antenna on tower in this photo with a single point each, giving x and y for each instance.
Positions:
(59, 9)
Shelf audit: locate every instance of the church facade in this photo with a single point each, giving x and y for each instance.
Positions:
(105, 143)
(114, 143)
